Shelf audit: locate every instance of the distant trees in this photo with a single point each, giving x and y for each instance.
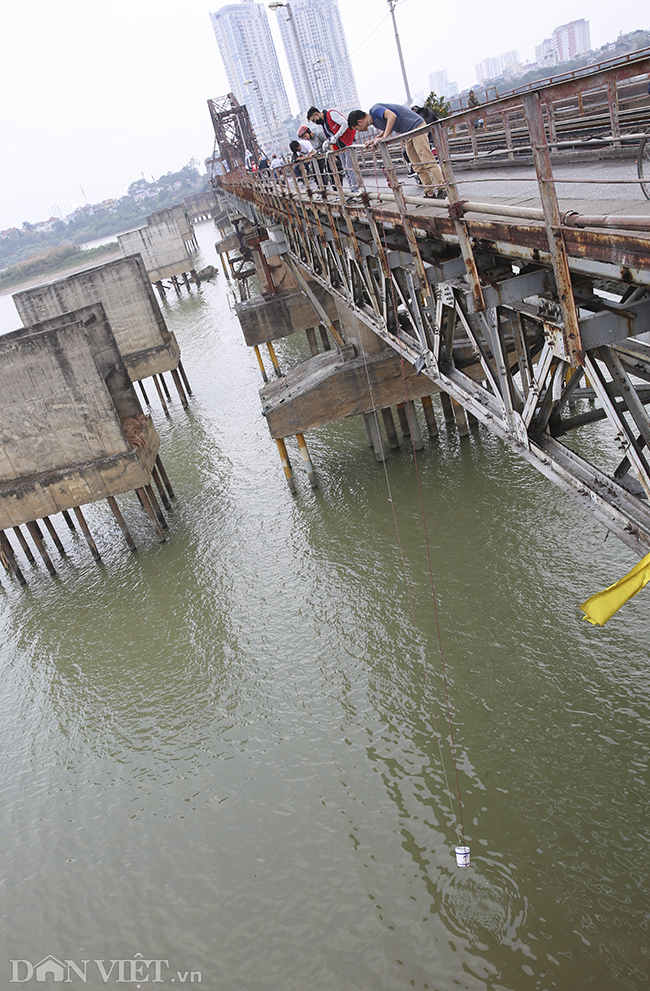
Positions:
(90, 223)
(438, 104)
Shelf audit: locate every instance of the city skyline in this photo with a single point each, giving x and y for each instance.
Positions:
(97, 116)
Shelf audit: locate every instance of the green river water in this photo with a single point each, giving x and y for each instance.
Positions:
(230, 753)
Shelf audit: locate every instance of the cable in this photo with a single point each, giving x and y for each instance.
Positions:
(429, 562)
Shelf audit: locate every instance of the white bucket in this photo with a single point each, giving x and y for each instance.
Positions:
(462, 856)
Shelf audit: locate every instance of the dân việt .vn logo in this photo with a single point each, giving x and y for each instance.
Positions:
(136, 970)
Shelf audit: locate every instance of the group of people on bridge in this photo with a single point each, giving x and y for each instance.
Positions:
(332, 130)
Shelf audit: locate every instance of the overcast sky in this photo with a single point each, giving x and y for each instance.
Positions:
(96, 94)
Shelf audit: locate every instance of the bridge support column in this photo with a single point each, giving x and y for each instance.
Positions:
(313, 343)
(130, 542)
(274, 359)
(37, 537)
(414, 423)
(23, 543)
(304, 453)
(447, 409)
(389, 424)
(461, 419)
(429, 416)
(403, 419)
(372, 424)
(286, 464)
(8, 558)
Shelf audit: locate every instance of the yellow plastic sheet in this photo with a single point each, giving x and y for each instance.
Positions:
(602, 606)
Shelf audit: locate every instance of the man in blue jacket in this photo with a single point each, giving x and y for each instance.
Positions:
(391, 118)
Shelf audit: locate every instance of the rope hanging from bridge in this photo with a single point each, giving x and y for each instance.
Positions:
(462, 858)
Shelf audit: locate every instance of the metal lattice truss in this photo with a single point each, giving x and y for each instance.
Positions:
(233, 132)
(531, 323)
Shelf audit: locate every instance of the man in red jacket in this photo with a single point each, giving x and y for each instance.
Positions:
(338, 135)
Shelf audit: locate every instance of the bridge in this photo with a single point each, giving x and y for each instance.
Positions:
(528, 314)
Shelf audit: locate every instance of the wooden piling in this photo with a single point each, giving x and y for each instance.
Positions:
(130, 542)
(286, 464)
(161, 489)
(164, 385)
(429, 416)
(70, 522)
(179, 388)
(176, 285)
(27, 551)
(389, 425)
(54, 535)
(161, 289)
(35, 534)
(163, 475)
(144, 394)
(325, 339)
(188, 388)
(160, 395)
(304, 453)
(8, 558)
(83, 526)
(146, 505)
(155, 505)
(186, 281)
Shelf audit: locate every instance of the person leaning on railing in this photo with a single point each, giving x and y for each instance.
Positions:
(391, 118)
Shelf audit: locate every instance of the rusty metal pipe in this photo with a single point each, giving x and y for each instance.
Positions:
(573, 219)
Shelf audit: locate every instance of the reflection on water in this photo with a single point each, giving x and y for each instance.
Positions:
(224, 751)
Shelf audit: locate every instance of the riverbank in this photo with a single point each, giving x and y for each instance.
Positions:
(77, 263)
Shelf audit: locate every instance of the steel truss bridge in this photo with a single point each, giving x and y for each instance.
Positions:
(529, 317)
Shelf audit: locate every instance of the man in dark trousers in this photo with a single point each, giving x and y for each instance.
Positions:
(391, 118)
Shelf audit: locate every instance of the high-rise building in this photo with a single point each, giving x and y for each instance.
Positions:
(571, 40)
(251, 63)
(492, 68)
(322, 53)
(545, 54)
(440, 84)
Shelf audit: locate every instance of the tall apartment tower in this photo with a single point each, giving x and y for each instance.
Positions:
(251, 63)
(572, 39)
(324, 52)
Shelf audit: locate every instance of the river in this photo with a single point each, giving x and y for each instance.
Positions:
(231, 753)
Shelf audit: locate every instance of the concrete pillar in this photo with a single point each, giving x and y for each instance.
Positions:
(461, 419)
(416, 433)
(403, 419)
(389, 425)
(375, 434)
(429, 416)
(447, 407)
